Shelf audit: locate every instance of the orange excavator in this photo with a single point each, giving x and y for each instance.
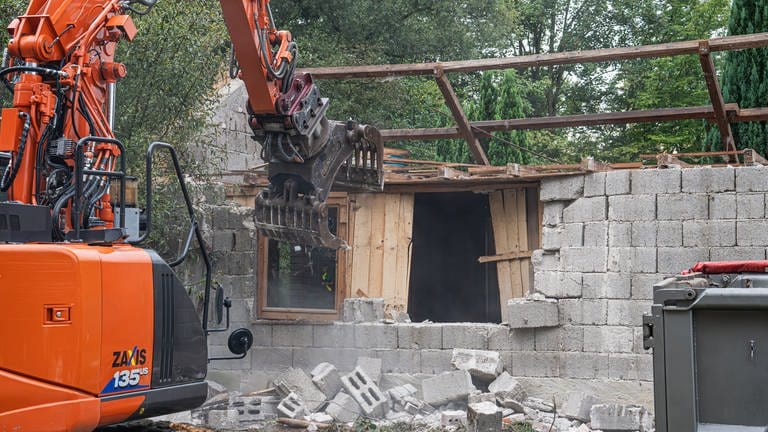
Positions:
(96, 330)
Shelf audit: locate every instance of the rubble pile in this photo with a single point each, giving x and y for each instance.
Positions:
(478, 396)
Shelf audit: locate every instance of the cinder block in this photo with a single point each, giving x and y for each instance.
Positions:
(619, 234)
(566, 338)
(524, 313)
(638, 341)
(586, 259)
(624, 367)
(618, 182)
(545, 261)
(670, 234)
(751, 179)
(481, 397)
(619, 260)
(613, 417)
(583, 365)
(326, 377)
(504, 339)
(683, 207)
(586, 210)
(224, 419)
(552, 214)
(750, 206)
(271, 359)
(366, 393)
(642, 285)
(576, 405)
(608, 339)
(752, 233)
(709, 233)
(292, 407)
(335, 335)
(583, 312)
(369, 335)
(572, 235)
(627, 312)
(562, 188)
(398, 395)
(596, 234)
(371, 367)
(644, 234)
(625, 208)
(536, 364)
(645, 367)
(342, 358)
(447, 387)
(293, 335)
(606, 285)
(594, 184)
(419, 336)
(552, 238)
(656, 181)
(675, 260)
(507, 387)
(363, 310)
(484, 417)
(483, 365)
(296, 381)
(709, 180)
(436, 361)
(465, 335)
(343, 408)
(722, 206)
(737, 254)
(643, 260)
(558, 284)
(453, 418)
(250, 409)
(397, 360)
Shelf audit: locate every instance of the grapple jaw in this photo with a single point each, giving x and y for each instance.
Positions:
(293, 208)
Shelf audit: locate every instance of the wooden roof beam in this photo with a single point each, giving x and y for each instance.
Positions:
(464, 128)
(727, 43)
(716, 96)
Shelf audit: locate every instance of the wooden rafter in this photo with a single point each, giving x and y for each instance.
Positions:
(727, 43)
(462, 122)
(716, 96)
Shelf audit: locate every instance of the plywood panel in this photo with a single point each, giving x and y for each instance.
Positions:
(522, 229)
(404, 243)
(376, 266)
(361, 248)
(501, 240)
(510, 228)
(391, 230)
(513, 238)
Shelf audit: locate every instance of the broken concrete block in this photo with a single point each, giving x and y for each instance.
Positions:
(320, 417)
(222, 419)
(484, 365)
(539, 405)
(484, 417)
(453, 418)
(481, 397)
(398, 395)
(615, 417)
(448, 387)
(297, 381)
(367, 394)
(343, 408)
(363, 310)
(507, 388)
(326, 377)
(249, 409)
(577, 405)
(371, 366)
(513, 404)
(514, 419)
(292, 407)
(532, 313)
(414, 406)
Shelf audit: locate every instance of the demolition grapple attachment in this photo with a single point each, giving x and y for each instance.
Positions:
(293, 208)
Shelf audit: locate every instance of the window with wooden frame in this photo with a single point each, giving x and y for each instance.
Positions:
(299, 282)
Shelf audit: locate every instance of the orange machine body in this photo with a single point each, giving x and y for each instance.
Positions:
(78, 332)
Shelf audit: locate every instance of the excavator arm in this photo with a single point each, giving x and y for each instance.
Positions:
(307, 153)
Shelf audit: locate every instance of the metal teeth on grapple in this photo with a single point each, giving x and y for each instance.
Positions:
(364, 170)
(299, 221)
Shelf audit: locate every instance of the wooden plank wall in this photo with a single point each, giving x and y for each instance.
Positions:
(510, 232)
(380, 264)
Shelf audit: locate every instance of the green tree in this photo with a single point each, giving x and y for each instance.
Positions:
(743, 77)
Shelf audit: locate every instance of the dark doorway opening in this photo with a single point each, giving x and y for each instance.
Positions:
(450, 232)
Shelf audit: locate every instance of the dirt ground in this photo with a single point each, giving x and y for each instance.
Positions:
(358, 427)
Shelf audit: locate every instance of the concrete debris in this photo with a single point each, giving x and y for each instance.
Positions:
(481, 397)
(363, 310)
(222, 419)
(367, 394)
(453, 418)
(297, 381)
(447, 387)
(398, 396)
(400, 317)
(577, 405)
(539, 404)
(513, 404)
(507, 388)
(326, 377)
(343, 408)
(534, 311)
(320, 417)
(484, 417)
(371, 366)
(484, 365)
(514, 419)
